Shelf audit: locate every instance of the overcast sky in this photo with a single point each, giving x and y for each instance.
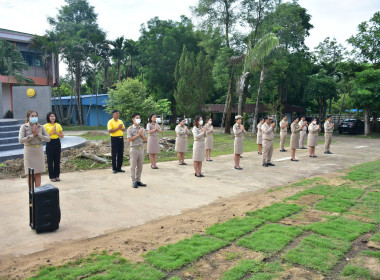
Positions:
(333, 18)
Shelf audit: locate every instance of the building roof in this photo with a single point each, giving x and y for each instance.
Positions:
(15, 36)
(87, 100)
(250, 108)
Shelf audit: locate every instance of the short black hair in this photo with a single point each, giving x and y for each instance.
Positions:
(284, 116)
(115, 111)
(180, 119)
(48, 117)
(328, 116)
(135, 114)
(265, 118)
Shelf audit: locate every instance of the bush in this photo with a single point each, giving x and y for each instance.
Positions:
(8, 115)
(172, 126)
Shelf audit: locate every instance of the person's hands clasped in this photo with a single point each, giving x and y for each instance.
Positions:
(204, 129)
(141, 131)
(272, 125)
(120, 126)
(35, 130)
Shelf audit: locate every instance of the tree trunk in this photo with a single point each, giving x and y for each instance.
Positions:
(341, 107)
(240, 82)
(224, 113)
(367, 129)
(78, 84)
(227, 128)
(106, 77)
(262, 76)
(118, 70)
(330, 106)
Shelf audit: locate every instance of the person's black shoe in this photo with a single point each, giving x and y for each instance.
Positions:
(264, 164)
(294, 159)
(241, 156)
(121, 170)
(303, 148)
(329, 153)
(201, 175)
(314, 156)
(238, 168)
(114, 171)
(270, 164)
(135, 185)
(140, 184)
(325, 152)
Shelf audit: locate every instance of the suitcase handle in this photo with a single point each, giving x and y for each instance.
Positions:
(31, 197)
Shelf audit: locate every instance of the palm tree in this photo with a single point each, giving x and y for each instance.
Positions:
(118, 53)
(256, 59)
(12, 63)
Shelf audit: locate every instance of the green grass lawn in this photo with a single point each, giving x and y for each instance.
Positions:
(82, 128)
(319, 246)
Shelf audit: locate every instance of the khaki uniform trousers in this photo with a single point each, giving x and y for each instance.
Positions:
(136, 159)
(328, 137)
(282, 139)
(267, 150)
(302, 139)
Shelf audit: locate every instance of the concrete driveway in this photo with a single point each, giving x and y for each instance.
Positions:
(97, 202)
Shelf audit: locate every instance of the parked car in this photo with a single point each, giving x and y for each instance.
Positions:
(158, 120)
(352, 126)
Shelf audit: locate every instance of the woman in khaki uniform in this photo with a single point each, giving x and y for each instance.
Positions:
(312, 138)
(199, 133)
(153, 147)
(295, 138)
(209, 142)
(32, 134)
(260, 137)
(181, 141)
(239, 131)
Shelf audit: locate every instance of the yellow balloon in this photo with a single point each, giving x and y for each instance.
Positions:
(31, 92)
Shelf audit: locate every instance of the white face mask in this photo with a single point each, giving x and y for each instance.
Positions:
(201, 122)
(314, 122)
(138, 121)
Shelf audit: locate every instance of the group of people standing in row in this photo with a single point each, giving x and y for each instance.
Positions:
(32, 134)
(298, 130)
(137, 135)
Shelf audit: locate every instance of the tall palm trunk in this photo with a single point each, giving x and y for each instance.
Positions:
(367, 129)
(262, 76)
(77, 87)
(227, 128)
(341, 107)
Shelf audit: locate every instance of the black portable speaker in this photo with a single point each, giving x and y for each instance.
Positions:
(44, 210)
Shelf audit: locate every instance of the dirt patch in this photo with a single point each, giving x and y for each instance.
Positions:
(359, 218)
(134, 242)
(214, 265)
(14, 168)
(309, 200)
(306, 217)
(370, 263)
(375, 245)
(298, 273)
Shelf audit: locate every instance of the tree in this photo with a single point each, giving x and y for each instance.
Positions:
(366, 93)
(256, 58)
(160, 47)
(12, 63)
(118, 53)
(76, 24)
(366, 41)
(130, 96)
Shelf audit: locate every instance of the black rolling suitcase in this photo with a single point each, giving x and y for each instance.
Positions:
(44, 211)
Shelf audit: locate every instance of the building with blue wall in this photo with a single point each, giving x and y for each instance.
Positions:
(93, 107)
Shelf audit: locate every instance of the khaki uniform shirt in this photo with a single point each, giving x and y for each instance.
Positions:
(181, 131)
(133, 131)
(267, 132)
(328, 127)
(27, 138)
(303, 128)
(283, 123)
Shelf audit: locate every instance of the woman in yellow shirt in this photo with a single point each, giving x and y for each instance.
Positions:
(53, 148)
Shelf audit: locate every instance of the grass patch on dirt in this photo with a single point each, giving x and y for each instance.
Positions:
(234, 228)
(366, 172)
(86, 164)
(174, 256)
(368, 207)
(340, 201)
(324, 190)
(376, 237)
(318, 252)
(375, 254)
(341, 228)
(82, 128)
(101, 266)
(275, 212)
(356, 272)
(258, 270)
(270, 238)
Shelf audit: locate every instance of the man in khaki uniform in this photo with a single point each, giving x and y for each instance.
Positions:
(268, 135)
(329, 128)
(303, 133)
(283, 132)
(136, 136)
